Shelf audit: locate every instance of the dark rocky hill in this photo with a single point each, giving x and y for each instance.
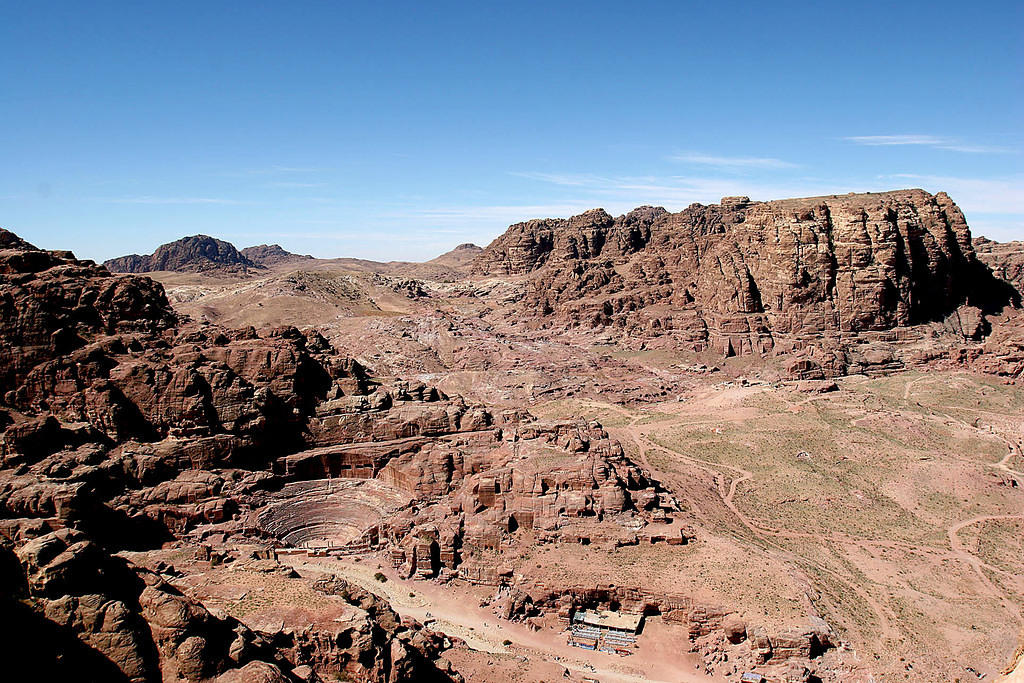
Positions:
(271, 254)
(189, 254)
(458, 257)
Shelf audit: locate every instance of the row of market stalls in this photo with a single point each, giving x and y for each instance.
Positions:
(605, 631)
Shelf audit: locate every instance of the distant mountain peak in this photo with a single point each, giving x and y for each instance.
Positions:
(195, 253)
(459, 257)
(269, 254)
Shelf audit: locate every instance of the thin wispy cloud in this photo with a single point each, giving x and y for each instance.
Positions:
(504, 214)
(727, 162)
(272, 170)
(622, 193)
(282, 169)
(298, 185)
(895, 140)
(976, 149)
(1004, 195)
(935, 142)
(168, 200)
(568, 179)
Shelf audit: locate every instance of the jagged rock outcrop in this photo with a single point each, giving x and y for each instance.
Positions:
(555, 482)
(129, 624)
(1006, 259)
(142, 629)
(189, 254)
(411, 646)
(52, 304)
(744, 277)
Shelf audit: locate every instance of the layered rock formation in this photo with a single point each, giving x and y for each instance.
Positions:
(744, 277)
(543, 483)
(125, 426)
(189, 254)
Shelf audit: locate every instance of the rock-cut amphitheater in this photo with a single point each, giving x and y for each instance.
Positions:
(331, 514)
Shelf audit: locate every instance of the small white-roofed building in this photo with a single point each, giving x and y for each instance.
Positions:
(606, 631)
(615, 621)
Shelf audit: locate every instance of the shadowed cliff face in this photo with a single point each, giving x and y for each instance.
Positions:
(740, 275)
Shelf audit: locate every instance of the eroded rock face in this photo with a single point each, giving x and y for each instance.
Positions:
(52, 303)
(745, 277)
(1006, 259)
(142, 628)
(530, 482)
(125, 427)
(189, 254)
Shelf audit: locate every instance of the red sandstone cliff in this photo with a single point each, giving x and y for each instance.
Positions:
(744, 277)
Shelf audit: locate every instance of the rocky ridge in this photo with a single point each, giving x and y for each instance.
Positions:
(271, 254)
(125, 425)
(807, 277)
(196, 253)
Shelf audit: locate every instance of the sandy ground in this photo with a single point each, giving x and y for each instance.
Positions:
(946, 570)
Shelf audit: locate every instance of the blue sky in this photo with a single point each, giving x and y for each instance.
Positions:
(398, 130)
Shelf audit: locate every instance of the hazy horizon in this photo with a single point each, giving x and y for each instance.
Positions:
(399, 132)
(453, 246)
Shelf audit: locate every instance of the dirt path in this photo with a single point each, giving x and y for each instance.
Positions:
(979, 566)
(458, 614)
(639, 434)
(728, 482)
(1013, 451)
(729, 477)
